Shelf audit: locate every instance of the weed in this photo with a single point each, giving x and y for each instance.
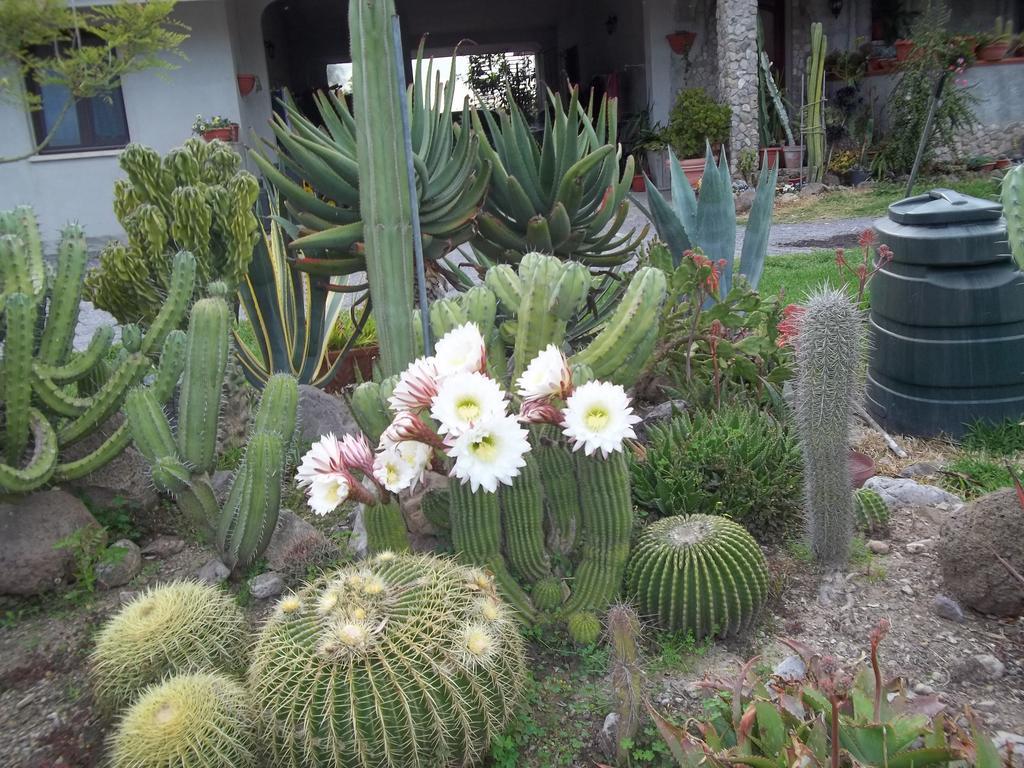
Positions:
(230, 458)
(86, 547)
(677, 651)
(1003, 439)
(799, 550)
(973, 475)
(117, 518)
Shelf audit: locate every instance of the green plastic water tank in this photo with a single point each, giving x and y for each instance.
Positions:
(947, 318)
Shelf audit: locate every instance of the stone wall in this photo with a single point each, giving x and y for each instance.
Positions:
(737, 69)
(985, 141)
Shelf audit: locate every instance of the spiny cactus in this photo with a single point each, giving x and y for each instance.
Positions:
(385, 528)
(1013, 208)
(52, 397)
(183, 460)
(407, 660)
(827, 387)
(178, 627)
(871, 511)
(195, 198)
(584, 627)
(199, 720)
(702, 574)
(623, 631)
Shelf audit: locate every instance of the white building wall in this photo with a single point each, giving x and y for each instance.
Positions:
(160, 106)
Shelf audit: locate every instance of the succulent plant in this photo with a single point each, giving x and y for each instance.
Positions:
(52, 397)
(870, 511)
(829, 347)
(385, 528)
(623, 631)
(814, 126)
(195, 198)
(200, 720)
(184, 459)
(407, 660)
(1012, 197)
(179, 627)
(584, 627)
(702, 574)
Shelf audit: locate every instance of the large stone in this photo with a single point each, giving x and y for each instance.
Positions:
(213, 572)
(30, 528)
(293, 543)
(320, 413)
(266, 585)
(904, 492)
(972, 538)
(121, 563)
(745, 200)
(124, 480)
(661, 412)
(812, 189)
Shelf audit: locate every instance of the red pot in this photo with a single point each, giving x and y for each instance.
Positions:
(862, 467)
(694, 170)
(1003, 162)
(770, 155)
(361, 358)
(638, 183)
(881, 66)
(681, 42)
(793, 156)
(229, 133)
(246, 83)
(903, 49)
(992, 51)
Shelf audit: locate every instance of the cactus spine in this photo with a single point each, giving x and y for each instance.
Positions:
(195, 198)
(828, 362)
(404, 660)
(183, 462)
(46, 396)
(698, 573)
(1013, 208)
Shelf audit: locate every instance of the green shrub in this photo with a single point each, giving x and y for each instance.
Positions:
(737, 462)
(694, 119)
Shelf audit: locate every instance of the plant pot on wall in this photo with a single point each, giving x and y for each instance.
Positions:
(637, 184)
(681, 42)
(246, 84)
(903, 49)
(793, 156)
(769, 156)
(228, 133)
(992, 51)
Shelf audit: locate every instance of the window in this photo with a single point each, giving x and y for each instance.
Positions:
(93, 123)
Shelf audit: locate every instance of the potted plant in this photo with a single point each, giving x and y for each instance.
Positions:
(216, 127)
(681, 42)
(903, 49)
(996, 45)
(695, 119)
(361, 356)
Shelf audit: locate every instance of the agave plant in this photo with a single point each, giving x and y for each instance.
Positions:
(709, 223)
(563, 195)
(450, 179)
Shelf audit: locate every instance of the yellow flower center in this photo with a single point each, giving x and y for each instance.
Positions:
(391, 474)
(352, 634)
(290, 605)
(596, 418)
(486, 448)
(478, 641)
(468, 409)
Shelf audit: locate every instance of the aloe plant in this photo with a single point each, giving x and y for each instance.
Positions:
(709, 223)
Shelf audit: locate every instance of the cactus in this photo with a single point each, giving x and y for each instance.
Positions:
(385, 528)
(701, 574)
(190, 721)
(870, 511)
(52, 397)
(623, 630)
(827, 388)
(563, 196)
(1013, 208)
(195, 199)
(584, 628)
(184, 460)
(178, 627)
(814, 127)
(407, 660)
(709, 223)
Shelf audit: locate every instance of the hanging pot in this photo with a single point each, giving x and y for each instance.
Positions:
(681, 42)
(246, 83)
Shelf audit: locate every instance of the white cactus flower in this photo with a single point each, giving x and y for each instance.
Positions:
(401, 465)
(598, 417)
(416, 386)
(328, 491)
(323, 457)
(465, 400)
(490, 453)
(547, 375)
(461, 350)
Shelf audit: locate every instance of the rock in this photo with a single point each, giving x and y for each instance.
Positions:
(788, 197)
(214, 572)
(121, 563)
(923, 690)
(660, 412)
(30, 527)
(358, 543)
(609, 736)
(163, 546)
(266, 585)
(921, 469)
(878, 547)
(125, 480)
(947, 608)
(125, 596)
(830, 180)
(908, 590)
(812, 189)
(981, 668)
(221, 484)
(970, 539)
(1010, 743)
(917, 547)
(904, 492)
(422, 533)
(320, 413)
(745, 200)
(985, 704)
(294, 542)
(791, 669)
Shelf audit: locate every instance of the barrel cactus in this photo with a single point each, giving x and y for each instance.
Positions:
(702, 574)
(200, 720)
(178, 627)
(584, 627)
(408, 660)
(871, 511)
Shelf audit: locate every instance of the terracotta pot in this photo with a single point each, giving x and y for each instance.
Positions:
(992, 51)
(246, 83)
(1003, 162)
(903, 49)
(881, 66)
(769, 155)
(638, 183)
(681, 42)
(862, 467)
(793, 156)
(362, 358)
(228, 133)
(987, 167)
(694, 170)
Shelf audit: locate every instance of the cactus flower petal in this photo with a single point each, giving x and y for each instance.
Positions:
(465, 400)
(416, 387)
(598, 417)
(547, 375)
(461, 350)
(490, 453)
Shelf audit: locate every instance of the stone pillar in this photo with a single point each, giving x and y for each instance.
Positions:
(737, 70)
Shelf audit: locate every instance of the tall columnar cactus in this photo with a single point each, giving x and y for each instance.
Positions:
(195, 198)
(404, 660)
(1013, 208)
(698, 573)
(623, 630)
(871, 511)
(170, 629)
(52, 397)
(184, 460)
(829, 346)
(814, 126)
(201, 720)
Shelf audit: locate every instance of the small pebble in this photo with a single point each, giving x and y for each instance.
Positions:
(984, 704)
(947, 608)
(878, 547)
(922, 689)
(906, 589)
(917, 547)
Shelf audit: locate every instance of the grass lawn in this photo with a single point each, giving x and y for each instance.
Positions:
(797, 274)
(853, 203)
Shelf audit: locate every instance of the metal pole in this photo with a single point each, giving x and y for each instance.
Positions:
(417, 240)
(926, 132)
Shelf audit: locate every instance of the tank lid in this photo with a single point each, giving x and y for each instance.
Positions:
(944, 206)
